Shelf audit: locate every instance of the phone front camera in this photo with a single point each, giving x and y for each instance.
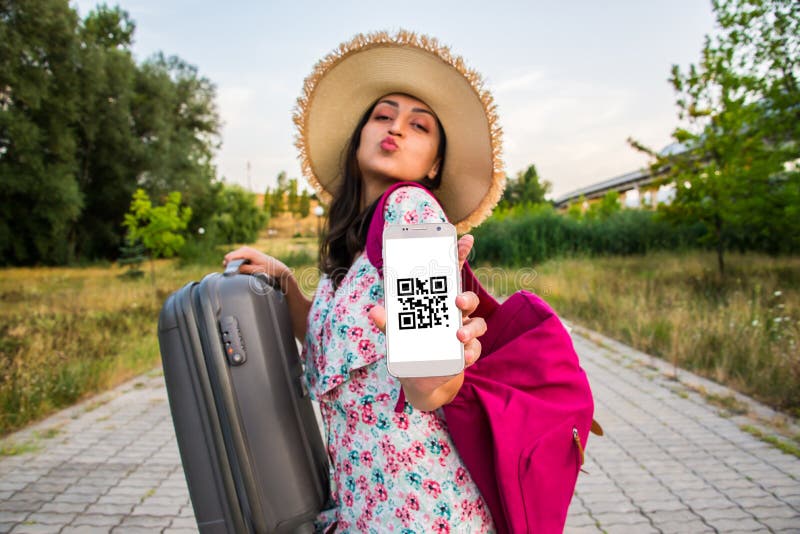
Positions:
(438, 228)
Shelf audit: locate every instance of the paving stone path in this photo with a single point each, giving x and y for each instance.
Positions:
(670, 461)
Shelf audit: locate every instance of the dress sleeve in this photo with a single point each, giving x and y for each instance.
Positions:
(412, 205)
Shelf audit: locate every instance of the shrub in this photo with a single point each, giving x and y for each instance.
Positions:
(237, 219)
(533, 233)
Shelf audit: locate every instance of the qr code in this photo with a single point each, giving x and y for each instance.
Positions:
(423, 302)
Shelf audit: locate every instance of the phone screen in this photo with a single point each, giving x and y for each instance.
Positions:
(421, 284)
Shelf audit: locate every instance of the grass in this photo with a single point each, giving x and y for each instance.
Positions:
(741, 330)
(68, 333)
(14, 448)
(149, 493)
(729, 403)
(783, 445)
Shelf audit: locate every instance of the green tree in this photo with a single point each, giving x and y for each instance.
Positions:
(741, 108)
(159, 228)
(304, 206)
(178, 124)
(108, 149)
(82, 126)
(575, 209)
(109, 27)
(39, 94)
(277, 205)
(283, 182)
(292, 199)
(605, 207)
(526, 188)
(238, 219)
(132, 255)
(267, 205)
(273, 202)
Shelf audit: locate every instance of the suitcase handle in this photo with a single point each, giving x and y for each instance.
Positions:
(233, 266)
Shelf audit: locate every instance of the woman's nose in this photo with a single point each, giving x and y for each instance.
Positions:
(396, 128)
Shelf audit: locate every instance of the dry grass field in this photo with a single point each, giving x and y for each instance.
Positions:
(287, 225)
(742, 329)
(66, 333)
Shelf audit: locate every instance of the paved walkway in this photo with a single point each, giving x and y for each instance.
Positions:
(670, 461)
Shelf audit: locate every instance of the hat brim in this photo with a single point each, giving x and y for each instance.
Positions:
(347, 82)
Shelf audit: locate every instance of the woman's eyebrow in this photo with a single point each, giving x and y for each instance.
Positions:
(420, 110)
(396, 105)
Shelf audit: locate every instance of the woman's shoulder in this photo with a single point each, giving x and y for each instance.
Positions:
(412, 205)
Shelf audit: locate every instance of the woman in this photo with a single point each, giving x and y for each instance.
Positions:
(413, 113)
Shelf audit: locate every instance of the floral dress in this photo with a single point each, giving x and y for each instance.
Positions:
(390, 472)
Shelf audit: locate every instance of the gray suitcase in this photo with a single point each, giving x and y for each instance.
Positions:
(247, 432)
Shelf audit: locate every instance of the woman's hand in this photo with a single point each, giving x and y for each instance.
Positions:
(259, 263)
(429, 393)
(299, 304)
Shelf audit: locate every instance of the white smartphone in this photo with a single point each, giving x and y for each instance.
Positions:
(421, 281)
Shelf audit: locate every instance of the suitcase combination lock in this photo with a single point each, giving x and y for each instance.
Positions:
(232, 340)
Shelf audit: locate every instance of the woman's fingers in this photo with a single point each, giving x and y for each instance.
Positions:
(259, 262)
(468, 334)
(473, 327)
(467, 302)
(241, 253)
(251, 267)
(472, 351)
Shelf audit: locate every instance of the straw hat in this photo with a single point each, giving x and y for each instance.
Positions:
(348, 80)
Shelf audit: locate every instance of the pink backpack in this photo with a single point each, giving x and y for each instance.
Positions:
(522, 417)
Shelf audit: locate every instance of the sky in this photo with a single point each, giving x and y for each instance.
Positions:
(572, 80)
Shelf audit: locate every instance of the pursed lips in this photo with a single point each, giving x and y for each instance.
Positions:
(389, 144)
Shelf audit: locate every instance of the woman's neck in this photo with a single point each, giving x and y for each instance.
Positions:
(373, 188)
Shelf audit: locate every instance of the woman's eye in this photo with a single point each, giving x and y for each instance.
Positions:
(420, 127)
(381, 117)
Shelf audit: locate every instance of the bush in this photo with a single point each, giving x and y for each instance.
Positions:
(298, 258)
(201, 250)
(529, 234)
(237, 219)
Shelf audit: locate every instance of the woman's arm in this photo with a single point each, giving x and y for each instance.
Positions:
(430, 393)
(299, 304)
(428, 401)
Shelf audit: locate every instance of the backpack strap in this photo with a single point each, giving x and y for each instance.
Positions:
(375, 233)
(374, 247)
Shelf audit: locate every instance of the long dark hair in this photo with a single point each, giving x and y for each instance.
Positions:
(347, 225)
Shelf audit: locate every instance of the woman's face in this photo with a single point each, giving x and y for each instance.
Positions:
(399, 141)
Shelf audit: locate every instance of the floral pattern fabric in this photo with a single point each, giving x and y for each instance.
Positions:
(390, 472)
